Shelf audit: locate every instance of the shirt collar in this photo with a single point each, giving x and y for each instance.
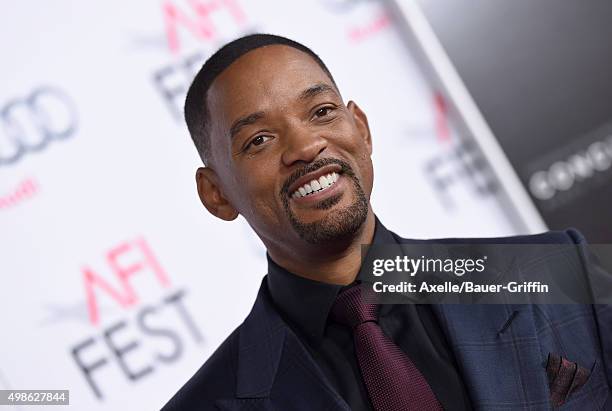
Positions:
(306, 303)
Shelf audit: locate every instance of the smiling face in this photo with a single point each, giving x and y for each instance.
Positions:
(286, 152)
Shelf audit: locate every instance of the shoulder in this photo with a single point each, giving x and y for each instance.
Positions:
(543, 248)
(567, 236)
(215, 379)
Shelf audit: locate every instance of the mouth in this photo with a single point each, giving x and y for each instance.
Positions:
(316, 185)
(315, 182)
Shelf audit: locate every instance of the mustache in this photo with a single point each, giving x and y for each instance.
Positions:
(314, 166)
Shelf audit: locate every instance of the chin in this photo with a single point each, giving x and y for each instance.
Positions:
(338, 225)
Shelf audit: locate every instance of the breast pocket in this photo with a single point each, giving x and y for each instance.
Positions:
(594, 394)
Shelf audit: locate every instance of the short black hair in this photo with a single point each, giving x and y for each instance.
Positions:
(196, 111)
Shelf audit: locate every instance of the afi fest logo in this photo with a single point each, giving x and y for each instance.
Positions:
(149, 335)
(370, 19)
(32, 122)
(205, 23)
(198, 19)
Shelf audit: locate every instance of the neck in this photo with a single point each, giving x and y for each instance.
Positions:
(336, 263)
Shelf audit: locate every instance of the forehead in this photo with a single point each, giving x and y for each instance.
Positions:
(261, 79)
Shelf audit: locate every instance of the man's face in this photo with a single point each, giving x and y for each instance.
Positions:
(288, 154)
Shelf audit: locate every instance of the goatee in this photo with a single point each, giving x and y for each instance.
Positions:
(339, 225)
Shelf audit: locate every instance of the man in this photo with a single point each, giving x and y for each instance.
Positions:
(283, 150)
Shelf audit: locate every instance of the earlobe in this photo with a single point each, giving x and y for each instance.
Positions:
(212, 196)
(361, 120)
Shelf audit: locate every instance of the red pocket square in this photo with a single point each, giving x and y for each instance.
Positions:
(564, 377)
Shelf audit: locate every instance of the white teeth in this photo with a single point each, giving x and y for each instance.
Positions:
(315, 185)
(323, 181)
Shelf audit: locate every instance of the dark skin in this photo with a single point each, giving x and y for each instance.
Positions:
(292, 116)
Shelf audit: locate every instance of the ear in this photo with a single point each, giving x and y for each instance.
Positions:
(212, 196)
(361, 120)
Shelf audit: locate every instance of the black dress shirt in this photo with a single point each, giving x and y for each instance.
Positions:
(305, 305)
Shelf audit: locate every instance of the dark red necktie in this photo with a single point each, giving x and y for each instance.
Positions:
(392, 380)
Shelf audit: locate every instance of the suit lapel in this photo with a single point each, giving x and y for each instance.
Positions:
(274, 370)
(498, 353)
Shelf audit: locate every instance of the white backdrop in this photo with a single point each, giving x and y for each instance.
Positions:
(113, 274)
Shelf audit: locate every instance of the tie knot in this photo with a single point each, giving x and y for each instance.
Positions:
(351, 307)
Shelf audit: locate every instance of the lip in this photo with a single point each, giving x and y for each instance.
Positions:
(314, 175)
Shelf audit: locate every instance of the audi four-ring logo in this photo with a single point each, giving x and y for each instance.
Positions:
(29, 124)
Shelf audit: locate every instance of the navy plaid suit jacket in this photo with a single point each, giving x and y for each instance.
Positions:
(501, 351)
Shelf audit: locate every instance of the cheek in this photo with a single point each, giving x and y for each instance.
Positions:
(258, 190)
(348, 138)
(257, 179)
(346, 134)
(350, 141)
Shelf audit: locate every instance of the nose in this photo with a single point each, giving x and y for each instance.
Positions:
(302, 144)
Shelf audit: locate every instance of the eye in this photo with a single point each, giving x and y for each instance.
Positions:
(257, 141)
(323, 111)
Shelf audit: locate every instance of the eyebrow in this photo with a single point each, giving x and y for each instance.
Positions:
(315, 90)
(245, 121)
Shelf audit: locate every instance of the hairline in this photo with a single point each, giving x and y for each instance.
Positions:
(207, 155)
